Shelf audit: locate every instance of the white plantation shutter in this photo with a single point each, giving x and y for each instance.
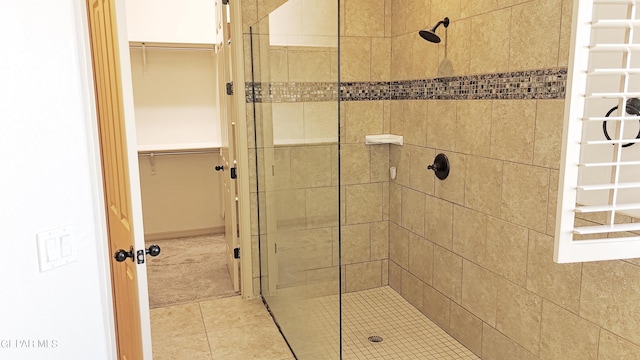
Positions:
(598, 215)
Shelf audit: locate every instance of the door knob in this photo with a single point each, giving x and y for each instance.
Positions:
(122, 255)
(153, 250)
(219, 167)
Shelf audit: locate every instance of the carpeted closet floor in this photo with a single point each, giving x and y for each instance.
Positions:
(188, 270)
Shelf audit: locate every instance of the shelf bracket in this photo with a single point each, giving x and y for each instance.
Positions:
(144, 58)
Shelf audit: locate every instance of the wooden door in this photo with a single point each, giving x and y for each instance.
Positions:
(228, 150)
(108, 89)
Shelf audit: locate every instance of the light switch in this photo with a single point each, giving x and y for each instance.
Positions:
(65, 246)
(53, 250)
(56, 247)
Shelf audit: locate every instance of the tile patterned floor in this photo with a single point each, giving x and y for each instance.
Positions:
(188, 270)
(220, 329)
(311, 329)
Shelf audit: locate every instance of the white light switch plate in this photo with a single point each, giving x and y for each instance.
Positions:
(56, 247)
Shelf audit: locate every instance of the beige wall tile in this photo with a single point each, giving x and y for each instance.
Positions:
(399, 245)
(412, 289)
(413, 211)
(559, 283)
(385, 272)
(385, 201)
(398, 13)
(609, 297)
(278, 66)
(379, 163)
(420, 178)
(483, 185)
(363, 276)
(364, 17)
(364, 203)
(496, 346)
(249, 14)
(265, 7)
(525, 190)
(564, 335)
(489, 55)
(396, 121)
(414, 114)
(363, 118)
(479, 292)
(469, 233)
(455, 55)
(466, 328)
(452, 188)
(355, 164)
(518, 315)
(421, 258)
(417, 13)
(356, 243)
(395, 276)
(380, 59)
(322, 207)
(447, 273)
(565, 33)
(321, 121)
(474, 7)
(281, 178)
(288, 123)
(512, 130)
(311, 166)
(290, 209)
(402, 56)
(424, 56)
(441, 124)
(380, 240)
(400, 157)
(548, 133)
(310, 65)
(395, 203)
(533, 46)
(553, 202)
(436, 306)
(355, 58)
(386, 109)
(473, 127)
(442, 8)
(612, 347)
(506, 250)
(439, 221)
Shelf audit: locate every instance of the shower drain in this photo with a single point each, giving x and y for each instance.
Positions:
(375, 339)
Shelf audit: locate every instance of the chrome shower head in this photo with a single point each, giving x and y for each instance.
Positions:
(430, 35)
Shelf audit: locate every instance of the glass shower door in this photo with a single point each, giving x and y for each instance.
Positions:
(293, 99)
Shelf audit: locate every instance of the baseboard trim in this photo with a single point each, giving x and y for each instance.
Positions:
(183, 233)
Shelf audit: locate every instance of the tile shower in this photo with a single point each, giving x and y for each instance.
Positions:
(472, 253)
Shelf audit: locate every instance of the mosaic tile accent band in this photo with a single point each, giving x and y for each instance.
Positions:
(531, 84)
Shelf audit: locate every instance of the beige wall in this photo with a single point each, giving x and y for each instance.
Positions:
(473, 252)
(183, 198)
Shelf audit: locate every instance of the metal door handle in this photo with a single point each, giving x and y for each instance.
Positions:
(122, 255)
(219, 167)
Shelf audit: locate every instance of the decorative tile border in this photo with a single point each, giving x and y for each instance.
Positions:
(532, 84)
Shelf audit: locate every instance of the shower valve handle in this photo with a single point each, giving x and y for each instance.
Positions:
(440, 166)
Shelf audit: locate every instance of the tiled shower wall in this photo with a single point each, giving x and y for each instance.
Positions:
(298, 195)
(474, 252)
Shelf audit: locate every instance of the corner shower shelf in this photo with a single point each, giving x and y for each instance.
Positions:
(384, 139)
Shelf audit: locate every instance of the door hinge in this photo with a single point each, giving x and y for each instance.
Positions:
(230, 88)
(236, 253)
(234, 173)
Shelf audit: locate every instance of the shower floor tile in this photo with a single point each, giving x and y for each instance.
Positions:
(406, 332)
(312, 329)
